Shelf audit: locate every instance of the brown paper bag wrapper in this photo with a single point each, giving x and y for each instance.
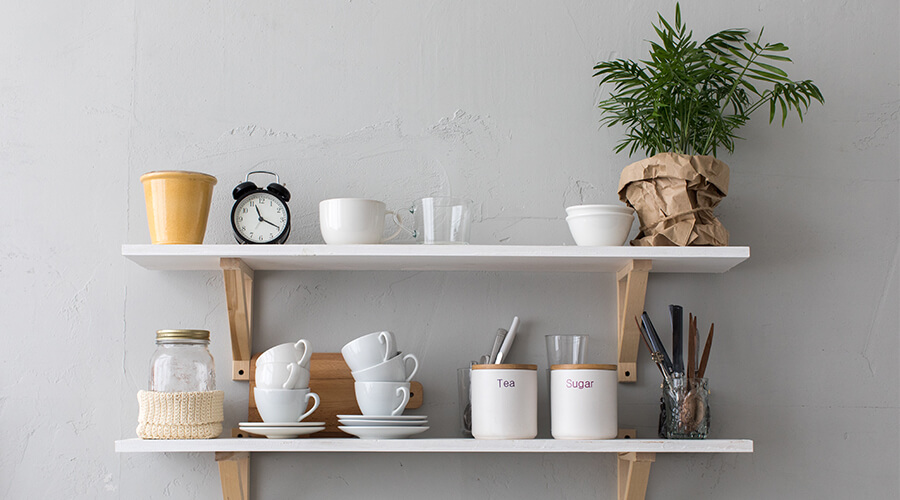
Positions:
(674, 196)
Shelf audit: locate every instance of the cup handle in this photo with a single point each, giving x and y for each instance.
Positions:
(398, 410)
(400, 227)
(415, 365)
(292, 379)
(304, 360)
(388, 341)
(315, 405)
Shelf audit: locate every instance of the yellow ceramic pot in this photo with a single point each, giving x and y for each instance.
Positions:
(177, 206)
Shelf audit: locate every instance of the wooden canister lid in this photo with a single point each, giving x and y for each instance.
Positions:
(583, 367)
(504, 367)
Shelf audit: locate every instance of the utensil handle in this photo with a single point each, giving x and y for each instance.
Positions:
(676, 316)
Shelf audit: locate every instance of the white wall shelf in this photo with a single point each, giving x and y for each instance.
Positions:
(435, 257)
(632, 266)
(351, 445)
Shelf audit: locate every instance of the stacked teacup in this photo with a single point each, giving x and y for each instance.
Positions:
(382, 376)
(282, 392)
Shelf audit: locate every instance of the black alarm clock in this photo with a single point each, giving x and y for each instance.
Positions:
(261, 216)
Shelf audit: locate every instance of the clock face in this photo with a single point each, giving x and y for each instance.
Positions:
(260, 217)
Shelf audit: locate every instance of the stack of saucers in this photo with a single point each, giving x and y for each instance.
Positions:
(383, 427)
(382, 386)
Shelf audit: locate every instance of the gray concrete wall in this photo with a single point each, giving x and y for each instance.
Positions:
(397, 100)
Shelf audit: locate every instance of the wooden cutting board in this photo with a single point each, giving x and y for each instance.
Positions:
(330, 378)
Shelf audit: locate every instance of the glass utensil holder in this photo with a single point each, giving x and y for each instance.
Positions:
(684, 409)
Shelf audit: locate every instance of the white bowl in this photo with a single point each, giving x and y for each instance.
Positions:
(593, 209)
(600, 229)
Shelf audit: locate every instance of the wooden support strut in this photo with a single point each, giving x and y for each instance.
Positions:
(234, 472)
(239, 298)
(634, 473)
(631, 290)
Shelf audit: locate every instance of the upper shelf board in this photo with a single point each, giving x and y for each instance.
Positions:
(435, 257)
(437, 445)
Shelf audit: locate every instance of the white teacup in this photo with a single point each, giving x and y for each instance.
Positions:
(284, 405)
(277, 375)
(382, 398)
(288, 353)
(392, 370)
(369, 350)
(351, 221)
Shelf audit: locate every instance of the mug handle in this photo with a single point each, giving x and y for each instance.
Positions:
(388, 340)
(304, 360)
(400, 227)
(292, 378)
(315, 405)
(415, 365)
(398, 410)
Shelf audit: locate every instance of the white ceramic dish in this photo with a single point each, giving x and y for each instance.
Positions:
(600, 229)
(592, 209)
(366, 422)
(398, 418)
(282, 432)
(281, 424)
(383, 432)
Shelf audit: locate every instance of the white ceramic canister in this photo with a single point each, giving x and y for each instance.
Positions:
(583, 401)
(504, 401)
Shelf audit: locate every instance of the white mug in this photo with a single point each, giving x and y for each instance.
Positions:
(382, 398)
(504, 401)
(392, 370)
(284, 405)
(288, 353)
(352, 221)
(369, 350)
(583, 401)
(277, 375)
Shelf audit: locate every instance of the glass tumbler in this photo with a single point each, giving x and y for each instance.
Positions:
(566, 349)
(442, 220)
(464, 377)
(685, 409)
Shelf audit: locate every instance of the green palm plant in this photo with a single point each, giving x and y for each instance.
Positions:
(692, 98)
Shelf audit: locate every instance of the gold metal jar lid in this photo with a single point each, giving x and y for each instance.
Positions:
(182, 334)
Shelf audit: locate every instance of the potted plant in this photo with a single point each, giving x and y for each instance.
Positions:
(681, 107)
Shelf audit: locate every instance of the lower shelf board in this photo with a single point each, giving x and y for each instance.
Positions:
(450, 445)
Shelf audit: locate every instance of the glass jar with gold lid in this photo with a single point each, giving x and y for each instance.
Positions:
(182, 362)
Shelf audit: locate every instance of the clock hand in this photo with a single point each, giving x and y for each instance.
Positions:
(269, 223)
(259, 214)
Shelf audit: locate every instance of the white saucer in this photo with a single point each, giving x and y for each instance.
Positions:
(391, 423)
(281, 424)
(282, 432)
(384, 418)
(383, 432)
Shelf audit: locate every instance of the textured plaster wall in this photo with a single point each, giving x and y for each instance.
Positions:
(396, 100)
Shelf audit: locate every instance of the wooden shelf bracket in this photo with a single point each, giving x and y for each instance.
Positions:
(239, 298)
(630, 292)
(234, 473)
(634, 473)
